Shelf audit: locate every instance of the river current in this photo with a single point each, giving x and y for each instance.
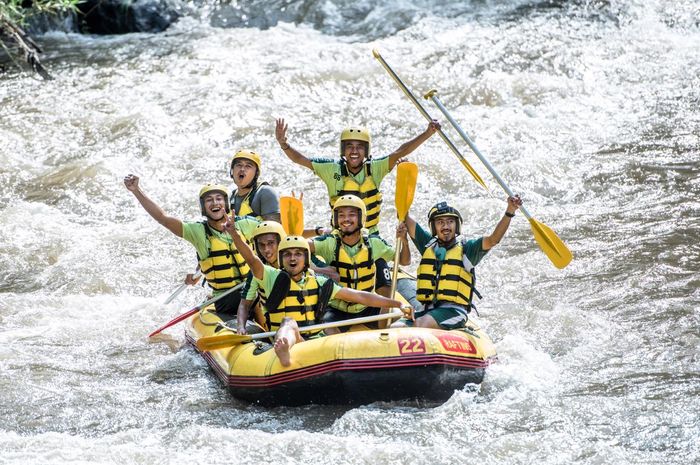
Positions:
(588, 109)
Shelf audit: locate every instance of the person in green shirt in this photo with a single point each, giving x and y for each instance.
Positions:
(361, 260)
(295, 293)
(446, 279)
(221, 264)
(356, 172)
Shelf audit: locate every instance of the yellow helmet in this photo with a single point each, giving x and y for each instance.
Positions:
(269, 227)
(355, 133)
(294, 242)
(442, 209)
(247, 155)
(210, 189)
(349, 201)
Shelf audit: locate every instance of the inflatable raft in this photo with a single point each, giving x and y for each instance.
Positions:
(351, 368)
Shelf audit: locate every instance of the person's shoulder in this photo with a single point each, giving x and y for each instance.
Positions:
(377, 240)
(324, 161)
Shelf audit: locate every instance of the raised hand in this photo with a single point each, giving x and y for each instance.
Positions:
(131, 181)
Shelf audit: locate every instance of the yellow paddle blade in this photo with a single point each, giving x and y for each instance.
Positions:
(209, 343)
(292, 215)
(473, 172)
(551, 245)
(406, 178)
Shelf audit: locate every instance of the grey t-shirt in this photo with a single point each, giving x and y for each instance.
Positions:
(265, 202)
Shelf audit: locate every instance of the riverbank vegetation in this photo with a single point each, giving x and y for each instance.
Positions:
(15, 42)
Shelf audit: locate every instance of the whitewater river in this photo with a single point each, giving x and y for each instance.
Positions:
(589, 109)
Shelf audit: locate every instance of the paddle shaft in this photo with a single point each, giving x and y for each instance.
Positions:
(427, 116)
(194, 310)
(181, 288)
(395, 271)
(433, 96)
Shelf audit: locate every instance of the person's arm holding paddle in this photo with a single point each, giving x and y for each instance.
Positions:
(500, 230)
(291, 153)
(406, 148)
(402, 237)
(173, 225)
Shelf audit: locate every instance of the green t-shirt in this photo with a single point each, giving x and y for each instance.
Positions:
(270, 275)
(329, 172)
(195, 234)
(325, 247)
(473, 247)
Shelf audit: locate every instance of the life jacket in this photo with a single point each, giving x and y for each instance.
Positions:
(246, 208)
(356, 272)
(225, 266)
(453, 283)
(289, 300)
(367, 191)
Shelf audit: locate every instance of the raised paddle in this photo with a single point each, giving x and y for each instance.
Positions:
(427, 116)
(194, 310)
(181, 288)
(406, 178)
(292, 215)
(221, 341)
(549, 242)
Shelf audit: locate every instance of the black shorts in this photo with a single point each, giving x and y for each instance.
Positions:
(227, 306)
(332, 315)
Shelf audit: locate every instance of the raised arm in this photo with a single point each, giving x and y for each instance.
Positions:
(490, 241)
(173, 225)
(256, 265)
(291, 153)
(411, 226)
(408, 147)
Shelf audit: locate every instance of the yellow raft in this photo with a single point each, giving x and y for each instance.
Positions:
(351, 368)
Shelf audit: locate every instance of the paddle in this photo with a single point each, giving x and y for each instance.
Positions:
(427, 116)
(406, 178)
(292, 215)
(194, 310)
(549, 242)
(181, 288)
(221, 341)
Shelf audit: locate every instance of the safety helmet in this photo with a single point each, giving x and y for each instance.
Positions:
(269, 227)
(247, 155)
(294, 242)
(210, 189)
(349, 201)
(442, 209)
(355, 133)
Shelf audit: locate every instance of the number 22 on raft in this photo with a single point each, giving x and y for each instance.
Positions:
(411, 345)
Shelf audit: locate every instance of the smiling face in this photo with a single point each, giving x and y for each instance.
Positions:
(445, 228)
(355, 152)
(215, 205)
(243, 172)
(294, 261)
(266, 245)
(348, 219)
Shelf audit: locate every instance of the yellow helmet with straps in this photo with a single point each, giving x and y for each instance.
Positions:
(442, 209)
(210, 189)
(246, 155)
(349, 201)
(294, 242)
(355, 133)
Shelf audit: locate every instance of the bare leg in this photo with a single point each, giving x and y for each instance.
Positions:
(427, 321)
(287, 336)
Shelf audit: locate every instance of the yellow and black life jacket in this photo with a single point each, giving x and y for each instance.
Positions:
(367, 191)
(225, 266)
(293, 301)
(452, 282)
(246, 208)
(356, 272)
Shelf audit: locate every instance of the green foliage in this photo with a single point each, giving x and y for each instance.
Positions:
(12, 11)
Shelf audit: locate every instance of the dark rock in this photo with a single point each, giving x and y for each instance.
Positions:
(123, 16)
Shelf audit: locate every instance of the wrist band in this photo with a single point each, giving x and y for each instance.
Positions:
(510, 215)
(318, 233)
